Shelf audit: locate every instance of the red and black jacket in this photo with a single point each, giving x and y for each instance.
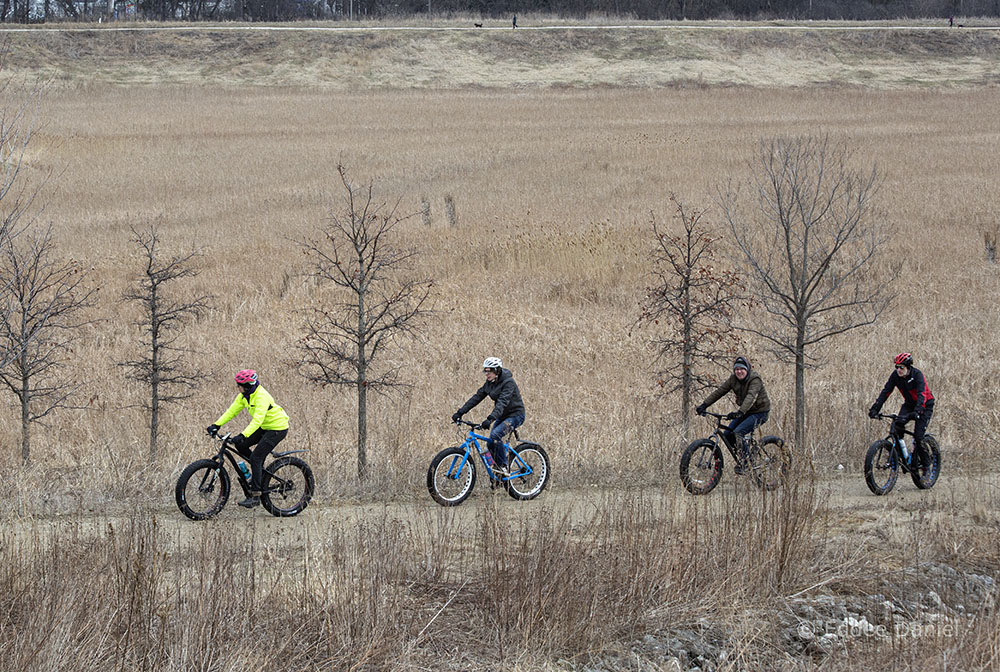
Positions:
(916, 394)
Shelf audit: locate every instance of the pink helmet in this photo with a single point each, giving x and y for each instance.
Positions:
(246, 377)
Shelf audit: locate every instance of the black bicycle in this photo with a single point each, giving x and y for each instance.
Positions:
(203, 487)
(887, 457)
(701, 462)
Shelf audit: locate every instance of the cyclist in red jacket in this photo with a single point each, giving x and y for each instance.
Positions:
(918, 402)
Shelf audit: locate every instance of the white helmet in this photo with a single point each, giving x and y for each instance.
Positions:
(492, 363)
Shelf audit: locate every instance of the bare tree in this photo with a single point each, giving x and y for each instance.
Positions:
(690, 303)
(39, 326)
(19, 103)
(373, 300)
(809, 233)
(163, 367)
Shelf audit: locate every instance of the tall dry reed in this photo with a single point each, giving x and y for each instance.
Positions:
(545, 267)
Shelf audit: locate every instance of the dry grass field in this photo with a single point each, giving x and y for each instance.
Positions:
(557, 149)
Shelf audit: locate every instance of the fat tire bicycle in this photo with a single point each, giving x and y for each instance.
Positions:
(885, 460)
(203, 487)
(702, 462)
(452, 473)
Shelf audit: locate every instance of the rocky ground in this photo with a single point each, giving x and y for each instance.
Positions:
(929, 601)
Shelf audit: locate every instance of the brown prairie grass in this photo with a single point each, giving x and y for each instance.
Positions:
(481, 593)
(353, 56)
(545, 266)
(512, 586)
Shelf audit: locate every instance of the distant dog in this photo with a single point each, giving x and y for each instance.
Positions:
(478, 25)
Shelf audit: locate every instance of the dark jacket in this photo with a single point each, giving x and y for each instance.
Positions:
(916, 394)
(750, 393)
(505, 395)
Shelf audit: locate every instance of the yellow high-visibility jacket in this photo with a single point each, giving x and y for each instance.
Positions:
(264, 413)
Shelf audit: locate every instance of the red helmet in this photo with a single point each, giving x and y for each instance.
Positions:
(904, 359)
(246, 377)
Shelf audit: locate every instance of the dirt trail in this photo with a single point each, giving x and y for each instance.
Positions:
(852, 509)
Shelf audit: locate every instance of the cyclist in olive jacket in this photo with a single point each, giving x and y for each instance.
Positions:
(508, 409)
(918, 402)
(755, 407)
(268, 426)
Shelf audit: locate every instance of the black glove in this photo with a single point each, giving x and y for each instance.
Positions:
(241, 442)
(486, 424)
(700, 410)
(873, 413)
(212, 430)
(456, 416)
(733, 415)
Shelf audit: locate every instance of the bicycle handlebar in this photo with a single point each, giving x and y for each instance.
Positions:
(474, 425)
(719, 416)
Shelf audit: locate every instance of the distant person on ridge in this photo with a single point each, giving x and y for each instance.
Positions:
(507, 414)
(918, 402)
(514, 21)
(755, 407)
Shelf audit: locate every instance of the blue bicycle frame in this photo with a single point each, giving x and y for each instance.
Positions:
(517, 467)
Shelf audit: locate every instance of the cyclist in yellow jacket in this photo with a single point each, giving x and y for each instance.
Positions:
(268, 426)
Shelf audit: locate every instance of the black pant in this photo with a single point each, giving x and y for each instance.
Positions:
(265, 440)
(919, 426)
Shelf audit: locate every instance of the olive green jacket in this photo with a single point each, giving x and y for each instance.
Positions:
(750, 393)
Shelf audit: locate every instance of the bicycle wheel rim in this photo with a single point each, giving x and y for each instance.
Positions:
(529, 472)
(769, 465)
(881, 468)
(703, 468)
(204, 493)
(289, 487)
(449, 483)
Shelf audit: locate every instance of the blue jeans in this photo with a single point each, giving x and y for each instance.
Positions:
(743, 426)
(500, 430)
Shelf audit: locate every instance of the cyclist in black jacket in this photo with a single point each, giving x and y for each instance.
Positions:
(508, 409)
(918, 402)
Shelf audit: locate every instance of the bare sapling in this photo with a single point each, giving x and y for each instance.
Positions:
(41, 321)
(19, 194)
(690, 304)
(370, 300)
(163, 366)
(807, 229)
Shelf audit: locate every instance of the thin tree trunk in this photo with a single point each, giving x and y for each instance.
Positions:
(800, 391)
(362, 389)
(154, 378)
(686, 381)
(362, 428)
(25, 415)
(154, 419)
